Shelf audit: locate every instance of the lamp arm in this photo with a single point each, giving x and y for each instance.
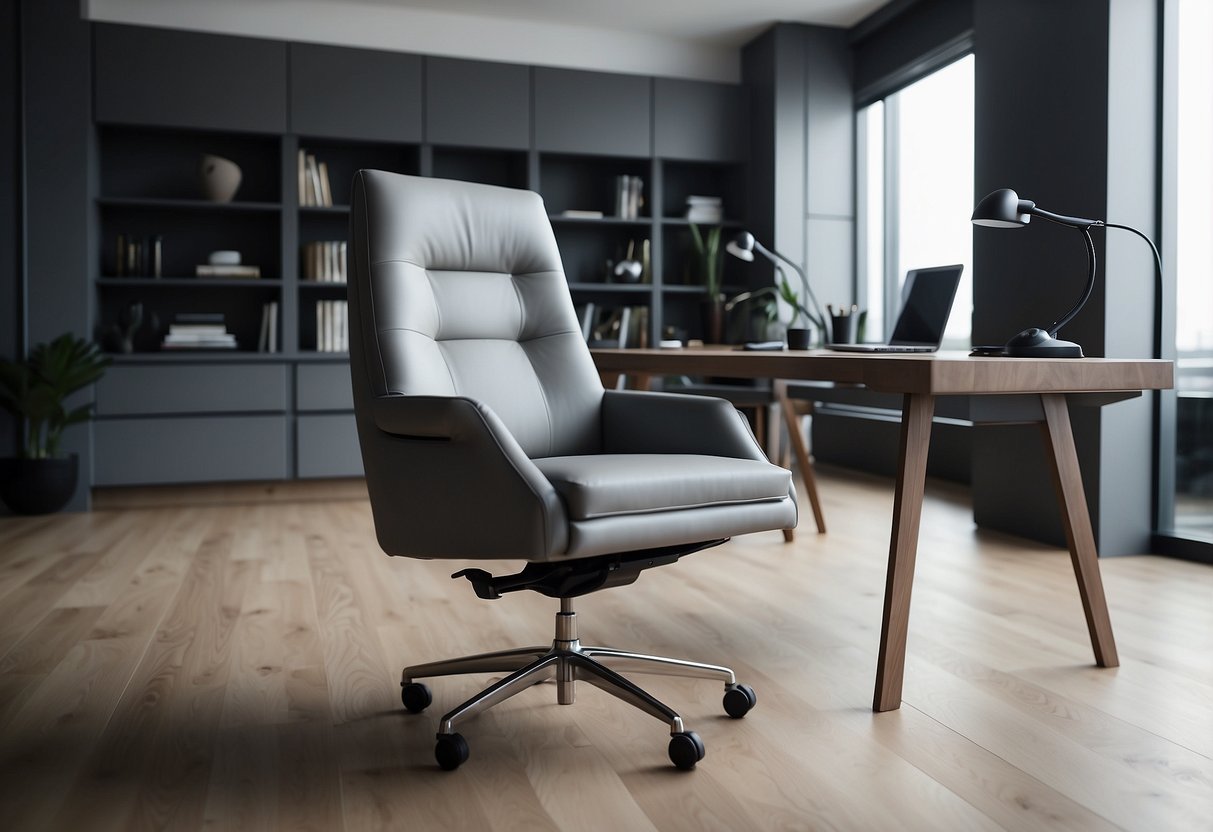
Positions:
(1085, 225)
(1069, 316)
(771, 255)
(1063, 219)
(1157, 278)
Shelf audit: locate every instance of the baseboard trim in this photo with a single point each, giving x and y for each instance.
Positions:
(228, 493)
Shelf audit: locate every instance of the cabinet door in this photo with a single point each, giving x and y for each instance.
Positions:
(699, 120)
(206, 449)
(323, 387)
(327, 446)
(477, 103)
(355, 93)
(592, 112)
(189, 79)
(202, 388)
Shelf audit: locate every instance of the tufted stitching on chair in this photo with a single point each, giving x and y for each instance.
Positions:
(543, 393)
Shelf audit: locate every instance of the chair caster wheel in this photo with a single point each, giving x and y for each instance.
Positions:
(451, 751)
(738, 700)
(415, 697)
(686, 749)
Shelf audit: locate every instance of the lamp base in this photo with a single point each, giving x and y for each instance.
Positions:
(1038, 343)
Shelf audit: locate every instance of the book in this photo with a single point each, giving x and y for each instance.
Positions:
(303, 177)
(208, 270)
(326, 193)
(578, 214)
(196, 329)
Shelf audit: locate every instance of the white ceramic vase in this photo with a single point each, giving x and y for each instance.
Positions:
(219, 178)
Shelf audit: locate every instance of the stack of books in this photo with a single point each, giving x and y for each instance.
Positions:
(198, 331)
(332, 326)
(324, 262)
(705, 209)
(314, 190)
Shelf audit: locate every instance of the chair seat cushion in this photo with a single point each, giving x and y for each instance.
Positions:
(608, 485)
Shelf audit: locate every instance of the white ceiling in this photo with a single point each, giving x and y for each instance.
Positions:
(726, 23)
(674, 38)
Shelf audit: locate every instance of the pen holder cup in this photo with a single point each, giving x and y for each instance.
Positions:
(843, 328)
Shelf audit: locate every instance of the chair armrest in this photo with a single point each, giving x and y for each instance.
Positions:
(455, 483)
(673, 423)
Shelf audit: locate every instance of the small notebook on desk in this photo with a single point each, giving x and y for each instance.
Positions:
(926, 303)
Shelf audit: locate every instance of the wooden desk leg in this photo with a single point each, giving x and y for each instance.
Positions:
(917, 410)
(802, 459)
(1077, 521)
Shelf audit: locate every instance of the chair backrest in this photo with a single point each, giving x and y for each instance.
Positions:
(457, 289)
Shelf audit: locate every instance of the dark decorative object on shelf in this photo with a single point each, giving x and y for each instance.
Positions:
(219, 178)
(128, 324)
(41, 481)
(1004, 209)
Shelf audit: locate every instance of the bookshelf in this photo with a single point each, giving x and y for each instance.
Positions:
(507, 125)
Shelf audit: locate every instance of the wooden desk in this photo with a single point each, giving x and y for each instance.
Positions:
(1036, 390)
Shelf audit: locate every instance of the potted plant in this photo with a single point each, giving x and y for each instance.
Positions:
(799, 337)
(707, 247)
(40, 480)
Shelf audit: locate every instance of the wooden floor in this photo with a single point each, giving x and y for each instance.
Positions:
(238, 666)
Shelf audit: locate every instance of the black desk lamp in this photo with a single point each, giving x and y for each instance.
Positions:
(1004, 209)
(743, 248)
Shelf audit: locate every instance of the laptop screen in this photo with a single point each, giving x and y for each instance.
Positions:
(926, 303)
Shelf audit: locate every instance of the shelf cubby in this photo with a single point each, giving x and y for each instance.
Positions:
(507, 168)
(345, 158)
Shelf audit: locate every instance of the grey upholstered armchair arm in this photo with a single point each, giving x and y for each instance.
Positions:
(471, 474)
(673, 423)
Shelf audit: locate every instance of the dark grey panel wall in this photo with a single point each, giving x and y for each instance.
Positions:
(10, 202)
(477, 103)
(208, 449)
(1074, 147)
(699, 120)
(592, 112)
(151, 76)
(59, 230)
(355, 93)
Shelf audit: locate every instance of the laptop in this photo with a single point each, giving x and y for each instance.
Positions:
(926, 303)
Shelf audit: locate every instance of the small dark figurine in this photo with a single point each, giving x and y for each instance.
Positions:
(122, 334)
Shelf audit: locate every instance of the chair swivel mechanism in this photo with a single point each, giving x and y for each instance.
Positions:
(486, 434)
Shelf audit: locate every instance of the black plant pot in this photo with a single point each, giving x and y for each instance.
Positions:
(37, 486)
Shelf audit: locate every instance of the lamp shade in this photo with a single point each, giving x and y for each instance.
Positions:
(1003, 209)
(742, 247)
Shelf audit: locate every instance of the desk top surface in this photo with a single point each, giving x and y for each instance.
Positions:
(942, 373)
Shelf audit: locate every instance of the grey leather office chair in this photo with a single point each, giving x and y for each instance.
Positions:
(486, 434)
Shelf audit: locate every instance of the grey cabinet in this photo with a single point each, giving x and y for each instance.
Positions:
(476, 103)
(189, 449)
(592, 112)
(698, 120)
(355, 93)
(188, 79)
(326, 445)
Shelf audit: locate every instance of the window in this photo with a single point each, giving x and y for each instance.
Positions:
(916, 192)
(1193, 264)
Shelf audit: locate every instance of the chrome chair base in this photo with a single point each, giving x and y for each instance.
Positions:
(567, 661)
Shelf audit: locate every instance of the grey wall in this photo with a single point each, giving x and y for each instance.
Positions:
(56, 56)
(10, 202)
(1066, 115)
(802, 152)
